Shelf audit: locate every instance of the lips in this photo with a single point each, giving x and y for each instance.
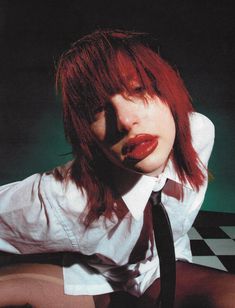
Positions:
(140, 146)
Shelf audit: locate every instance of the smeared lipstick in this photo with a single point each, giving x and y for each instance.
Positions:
(140, 146)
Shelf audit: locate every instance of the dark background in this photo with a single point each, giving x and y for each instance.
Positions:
(196, 37)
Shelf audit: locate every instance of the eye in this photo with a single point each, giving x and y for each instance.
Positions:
(101, 111)
(98, 109)
(139, 89)
(97, 113)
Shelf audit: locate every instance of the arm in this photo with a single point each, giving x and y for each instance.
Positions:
(28, 223)
(203, 134)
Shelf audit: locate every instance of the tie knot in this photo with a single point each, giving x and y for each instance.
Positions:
(155, 197)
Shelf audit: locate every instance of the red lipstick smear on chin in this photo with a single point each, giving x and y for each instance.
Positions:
(140, 146)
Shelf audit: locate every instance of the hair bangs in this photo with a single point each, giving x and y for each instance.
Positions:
(106, 71)
(135, 77)
(120, 72)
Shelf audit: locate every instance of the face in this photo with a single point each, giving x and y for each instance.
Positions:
(135, 132)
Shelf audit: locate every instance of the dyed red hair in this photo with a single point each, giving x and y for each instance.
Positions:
(92, 71)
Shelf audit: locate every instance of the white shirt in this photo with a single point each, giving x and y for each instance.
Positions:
(41, 214)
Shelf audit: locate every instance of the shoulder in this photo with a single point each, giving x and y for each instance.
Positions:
(203, 135)
(59, 188)
(53, 188)
(199, 123)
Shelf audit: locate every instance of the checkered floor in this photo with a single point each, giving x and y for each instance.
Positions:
(214, 246)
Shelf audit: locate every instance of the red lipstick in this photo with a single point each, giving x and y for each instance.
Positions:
(140, 146)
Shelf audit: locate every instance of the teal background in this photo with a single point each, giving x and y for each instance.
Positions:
(195, 37)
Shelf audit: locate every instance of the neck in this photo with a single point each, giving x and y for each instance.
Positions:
(124, 179)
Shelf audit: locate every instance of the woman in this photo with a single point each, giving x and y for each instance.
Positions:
(133, 130)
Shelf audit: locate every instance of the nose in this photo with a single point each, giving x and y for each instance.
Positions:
(126, 112)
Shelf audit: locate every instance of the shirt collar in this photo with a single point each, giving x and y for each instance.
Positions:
(137, 197)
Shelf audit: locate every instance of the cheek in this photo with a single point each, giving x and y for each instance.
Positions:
(167, 126)
(170, 128)
(165, 121)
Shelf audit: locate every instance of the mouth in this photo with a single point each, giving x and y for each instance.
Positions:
(139, 147)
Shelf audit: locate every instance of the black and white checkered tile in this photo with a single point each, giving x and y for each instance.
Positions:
(214, 247)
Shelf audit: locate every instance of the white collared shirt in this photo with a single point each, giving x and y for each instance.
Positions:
(41, 215)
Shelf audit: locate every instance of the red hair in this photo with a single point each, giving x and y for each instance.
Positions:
(92, 71)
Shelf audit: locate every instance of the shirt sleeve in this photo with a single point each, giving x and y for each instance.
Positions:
(28, 222)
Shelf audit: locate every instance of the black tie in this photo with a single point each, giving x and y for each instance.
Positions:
(165, 247)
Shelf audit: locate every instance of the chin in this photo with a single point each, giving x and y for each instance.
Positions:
(151, 167)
